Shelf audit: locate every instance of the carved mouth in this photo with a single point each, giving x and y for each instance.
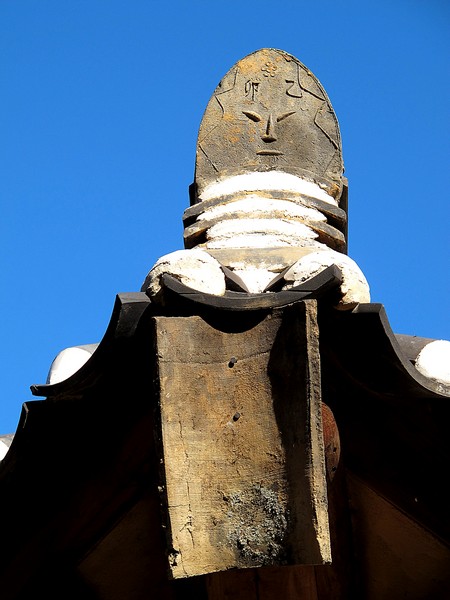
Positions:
(269, 153)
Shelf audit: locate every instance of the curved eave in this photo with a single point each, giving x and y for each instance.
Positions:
(367, 349)
(392, 420)
(128, 308)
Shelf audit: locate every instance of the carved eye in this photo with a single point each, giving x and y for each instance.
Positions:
(285, 115)
(252, 115)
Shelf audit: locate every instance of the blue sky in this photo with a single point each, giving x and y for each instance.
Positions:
(100, 105)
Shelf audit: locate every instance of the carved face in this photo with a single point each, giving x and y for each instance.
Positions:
(269, 113)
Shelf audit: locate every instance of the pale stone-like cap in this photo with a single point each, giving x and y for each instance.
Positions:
(269, 113)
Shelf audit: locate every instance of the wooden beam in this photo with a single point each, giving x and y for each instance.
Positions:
(241, 443)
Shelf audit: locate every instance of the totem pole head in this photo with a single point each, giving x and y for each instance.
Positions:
(269, 114)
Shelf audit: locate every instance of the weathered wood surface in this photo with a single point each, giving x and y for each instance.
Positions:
(271, 583)
(241, 442)
(397, 557)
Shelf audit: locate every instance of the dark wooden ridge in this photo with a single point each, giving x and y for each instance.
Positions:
(323, 283)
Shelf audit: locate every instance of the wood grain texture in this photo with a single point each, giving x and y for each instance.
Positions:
(241, 442)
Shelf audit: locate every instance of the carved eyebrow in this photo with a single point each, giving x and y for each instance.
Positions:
(252, 115)
(285, 115)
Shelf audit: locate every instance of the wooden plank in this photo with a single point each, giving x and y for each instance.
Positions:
(397, 557)
(241, 442)
(270, 583)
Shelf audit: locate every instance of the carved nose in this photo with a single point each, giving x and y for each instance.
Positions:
(269, 135)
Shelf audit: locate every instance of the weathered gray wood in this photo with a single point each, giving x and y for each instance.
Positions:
(241, 442)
